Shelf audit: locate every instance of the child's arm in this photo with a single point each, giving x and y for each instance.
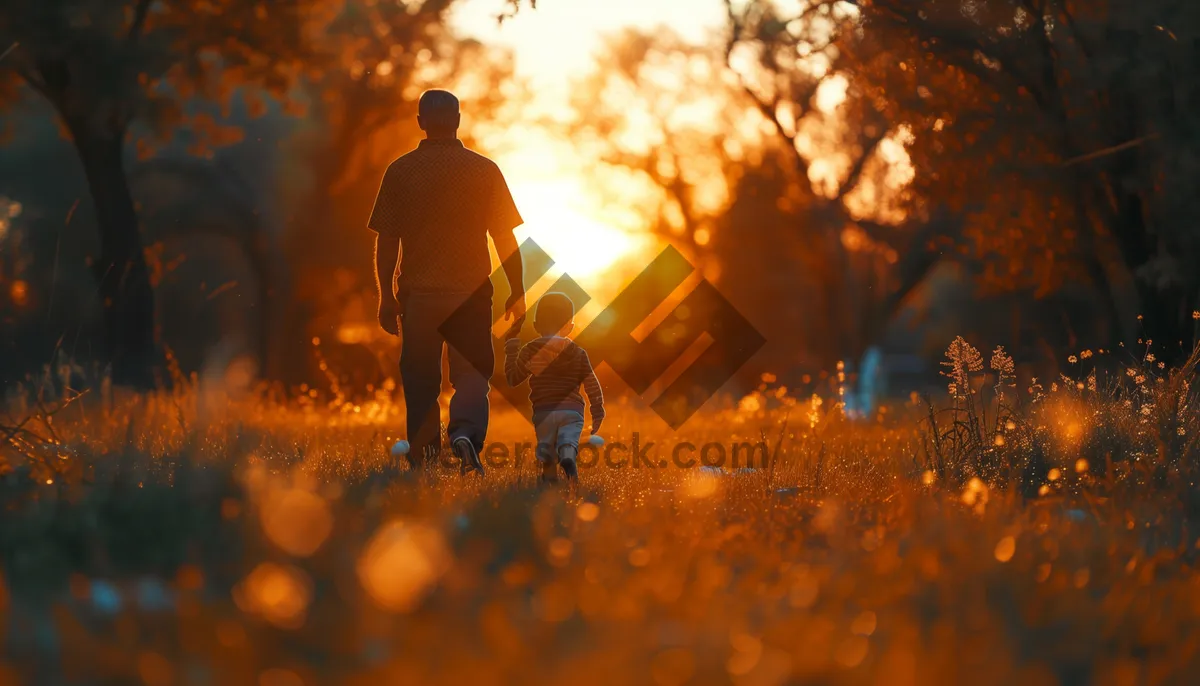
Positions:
(595, 396)
(516, 368)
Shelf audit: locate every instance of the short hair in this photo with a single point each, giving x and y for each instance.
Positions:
(554, 311)
(438, 107)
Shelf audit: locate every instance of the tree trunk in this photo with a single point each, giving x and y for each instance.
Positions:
(1166, 321)
(1165, 304)
(126, 294)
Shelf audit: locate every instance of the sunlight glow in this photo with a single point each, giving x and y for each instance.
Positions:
(557, 219)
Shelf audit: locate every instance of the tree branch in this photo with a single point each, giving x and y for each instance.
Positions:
(769, 109)
(1068, 20)
(139, 22)
(855, 175)
(955, 40)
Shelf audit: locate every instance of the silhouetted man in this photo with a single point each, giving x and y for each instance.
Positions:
(436, 207)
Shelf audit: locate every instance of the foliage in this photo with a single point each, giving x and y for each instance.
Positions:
(669, 112)
(106, 64)
(103, 66)
(194, 73)
(847, 153)
(1084, 113)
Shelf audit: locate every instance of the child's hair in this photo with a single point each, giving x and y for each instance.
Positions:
(554, 311)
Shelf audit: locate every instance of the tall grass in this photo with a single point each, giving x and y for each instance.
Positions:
(1033, 532)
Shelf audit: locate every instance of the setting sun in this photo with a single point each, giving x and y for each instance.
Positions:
(556, 218)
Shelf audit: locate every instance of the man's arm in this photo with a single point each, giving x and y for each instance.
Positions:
(504, 218)
(387, 256)
(514, 271)
(386, 220)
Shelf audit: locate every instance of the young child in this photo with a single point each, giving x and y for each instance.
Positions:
(556, 368)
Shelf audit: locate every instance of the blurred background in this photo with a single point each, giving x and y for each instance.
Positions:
(863, 181)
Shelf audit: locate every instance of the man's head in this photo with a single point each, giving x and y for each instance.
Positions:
(555, 315)
(438, 114)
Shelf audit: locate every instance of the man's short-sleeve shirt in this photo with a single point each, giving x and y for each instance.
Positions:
(441, 200)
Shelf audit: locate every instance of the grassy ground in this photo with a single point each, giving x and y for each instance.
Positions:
(1033, 535)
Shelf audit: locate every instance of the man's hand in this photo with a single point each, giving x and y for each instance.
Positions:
(387, 256)
(389, 315)
(514, 307)
(514, 331)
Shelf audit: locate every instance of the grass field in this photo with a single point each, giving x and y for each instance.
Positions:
(1045, 534)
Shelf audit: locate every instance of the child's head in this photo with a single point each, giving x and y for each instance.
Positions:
(555, 315)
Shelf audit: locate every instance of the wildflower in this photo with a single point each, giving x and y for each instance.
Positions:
(1196, 314)
(1091, 382)
(1002, 364)
(962, 360)
(1146, 410)
(1140, 379)
(1131, 372)
(1086, 354)
(1162, 365)
(1072, 359)
(1150, 357)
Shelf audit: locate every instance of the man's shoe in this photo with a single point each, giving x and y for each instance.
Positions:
(549, 475)
(468, 456)
(570, 469)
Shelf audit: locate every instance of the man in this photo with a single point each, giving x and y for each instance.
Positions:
(436, 207)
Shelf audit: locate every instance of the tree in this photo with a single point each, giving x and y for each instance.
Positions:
(1089, 107)
(668, 113)
(104, 65)
(846, 150)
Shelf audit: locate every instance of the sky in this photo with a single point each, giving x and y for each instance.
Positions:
(551, 46)
(558, 38)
